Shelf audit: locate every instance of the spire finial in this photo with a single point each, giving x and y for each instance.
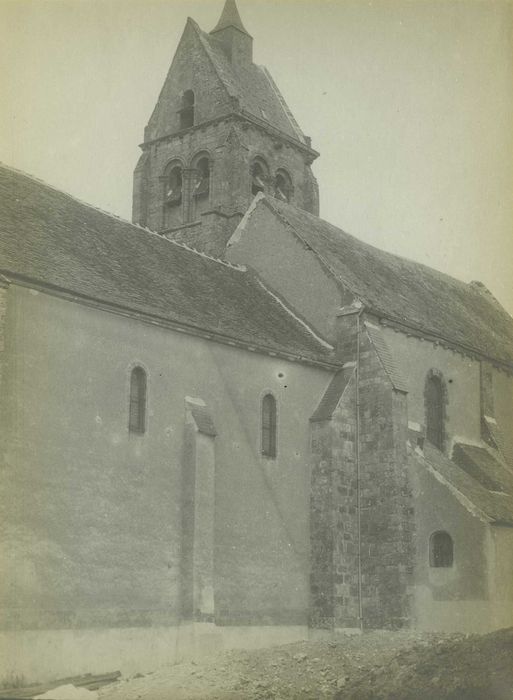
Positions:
(229, 18)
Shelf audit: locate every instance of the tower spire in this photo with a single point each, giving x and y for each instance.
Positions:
(229, 18)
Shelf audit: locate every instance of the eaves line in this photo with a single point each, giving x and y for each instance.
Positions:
(156, 320)
(240, 116)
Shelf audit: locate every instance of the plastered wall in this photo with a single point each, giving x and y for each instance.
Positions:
(415, 358)
(92, 513)
(475, 593)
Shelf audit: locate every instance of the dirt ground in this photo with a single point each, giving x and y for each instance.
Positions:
(393, 665)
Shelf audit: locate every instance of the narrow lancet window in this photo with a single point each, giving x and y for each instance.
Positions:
(259, 177)
(202, 186)
(174, 187)
(435, 409)
(269, 426)
(187, 110)
(283, 186)
(137, 407)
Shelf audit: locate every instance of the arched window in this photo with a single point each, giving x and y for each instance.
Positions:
(173, 186)
(137, 406)
(283, 186)
(202, 185)
(259, 176)
(434, 394)
(269, 426)
(187, 110)
(441, 550)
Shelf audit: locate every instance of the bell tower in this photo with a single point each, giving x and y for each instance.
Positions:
(220, 132)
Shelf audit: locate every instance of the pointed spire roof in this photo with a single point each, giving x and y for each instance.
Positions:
(229, 18)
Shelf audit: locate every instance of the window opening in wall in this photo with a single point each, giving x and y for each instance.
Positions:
(137, 407)
(202, 186)
(434, 394)
(174, 187)
(187, 110)
(258, 178)
(283, 186)
(441, 550)
(269, 426)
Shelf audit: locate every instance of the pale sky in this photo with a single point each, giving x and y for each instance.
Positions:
(409, 103)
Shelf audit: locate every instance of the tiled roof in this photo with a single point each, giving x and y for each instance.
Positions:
(496, 507)
(333, 394)
(202, 417)
(253, 87)
(51, 238)
(404, 291)
(386, 358)
(497, 436)
(482, 465)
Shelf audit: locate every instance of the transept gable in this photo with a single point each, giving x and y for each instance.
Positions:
(407, 295)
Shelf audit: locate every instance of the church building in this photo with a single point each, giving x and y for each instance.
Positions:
(230, 423)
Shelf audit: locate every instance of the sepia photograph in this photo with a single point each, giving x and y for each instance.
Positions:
(256, 350)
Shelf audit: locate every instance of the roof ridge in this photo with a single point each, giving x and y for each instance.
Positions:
(226, 263)
(297, 219)
(370, 245)
(205, 38)
(139, 227)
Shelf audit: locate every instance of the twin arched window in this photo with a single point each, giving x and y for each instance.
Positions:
(441, 550)
(261, 181)
(269, 426)
(187, 110)
(137, 404)
(197, 188)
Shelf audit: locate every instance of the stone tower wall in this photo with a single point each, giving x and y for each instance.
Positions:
(362, 516)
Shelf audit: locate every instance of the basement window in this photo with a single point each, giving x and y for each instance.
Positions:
(441, 550)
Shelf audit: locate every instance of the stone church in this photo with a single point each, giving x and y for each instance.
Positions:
(230, 423)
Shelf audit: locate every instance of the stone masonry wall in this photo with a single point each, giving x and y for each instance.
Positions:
(231, 147)
(383, 539)
(231, 144)
(333, 527)
(387, 524)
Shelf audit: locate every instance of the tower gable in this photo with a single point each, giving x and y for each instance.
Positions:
(191, 70)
